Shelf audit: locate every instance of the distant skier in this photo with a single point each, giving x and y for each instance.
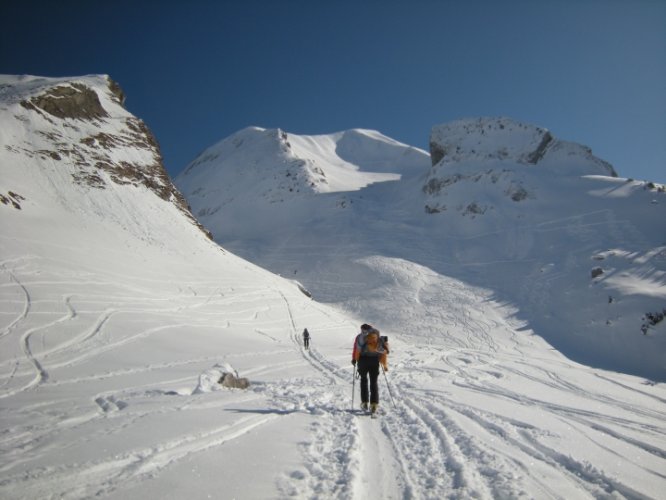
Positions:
(306, 339)
(370, 349)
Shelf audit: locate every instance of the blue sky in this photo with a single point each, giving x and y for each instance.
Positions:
(591, 71)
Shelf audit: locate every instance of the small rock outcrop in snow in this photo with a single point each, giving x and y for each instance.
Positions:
(220, 376)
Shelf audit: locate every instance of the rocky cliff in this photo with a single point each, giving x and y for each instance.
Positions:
(78, 127)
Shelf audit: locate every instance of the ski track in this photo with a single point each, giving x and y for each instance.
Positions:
(349, 456)
(102, 477)
(26, 305)
(428, 446)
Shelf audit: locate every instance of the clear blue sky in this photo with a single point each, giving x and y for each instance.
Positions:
(591, 71)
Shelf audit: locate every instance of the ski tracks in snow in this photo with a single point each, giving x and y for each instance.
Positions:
(102, 477)
(474, 419)
(497, 423)
(350, 455)
(413, 450)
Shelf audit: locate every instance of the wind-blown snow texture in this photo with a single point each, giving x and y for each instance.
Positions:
(118, 316)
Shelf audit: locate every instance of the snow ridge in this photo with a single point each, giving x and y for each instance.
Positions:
(272, 165)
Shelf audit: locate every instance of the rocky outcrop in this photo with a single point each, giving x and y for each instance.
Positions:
(233, 381)
(85, 128)
(499, 159)
(437, 152)
(73, 100)
(12, 199)
(503, 139)
(540, 150)
(488, 139)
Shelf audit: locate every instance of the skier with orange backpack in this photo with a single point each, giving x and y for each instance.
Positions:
(370, 350)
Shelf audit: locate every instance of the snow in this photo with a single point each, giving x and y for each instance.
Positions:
(117, 315)
(487, 138)
(266, 163)
(529, 232)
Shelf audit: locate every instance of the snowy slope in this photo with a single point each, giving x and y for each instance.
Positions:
(268, 164)
(118, 316)
(506, 206)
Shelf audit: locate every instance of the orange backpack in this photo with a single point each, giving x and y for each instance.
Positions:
(376, 345)
(372, 342)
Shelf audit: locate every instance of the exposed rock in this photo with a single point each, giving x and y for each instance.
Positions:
(540, 151)
(95, 157)
(437, 152)
(231, 381)
(73, 100)
(117, 92)
(503, 139)
(434, 209)
(436, 184)
(304, 290)
(474, 209)
(488, 139)
(503, 157)
(12, 199)
(518, 193)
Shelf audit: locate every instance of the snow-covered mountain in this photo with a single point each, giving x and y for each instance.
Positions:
(76, 132)
(271, 164)
(488, 139)
(119, 317)
(118, 314)
(542, 223)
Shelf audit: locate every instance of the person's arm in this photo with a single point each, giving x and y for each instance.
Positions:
(355, 351)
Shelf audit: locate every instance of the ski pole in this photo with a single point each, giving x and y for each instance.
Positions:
(353, 386)
(388, 385)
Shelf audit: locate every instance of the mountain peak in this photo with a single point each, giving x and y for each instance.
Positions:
(485, 140)
(274, 166)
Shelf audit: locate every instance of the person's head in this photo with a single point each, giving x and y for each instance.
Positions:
(365, 327)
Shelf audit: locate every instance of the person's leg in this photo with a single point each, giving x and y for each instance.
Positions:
(373, 371)
(363, 372)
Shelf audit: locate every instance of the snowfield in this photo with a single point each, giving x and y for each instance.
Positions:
(111, 390)
(118, 317)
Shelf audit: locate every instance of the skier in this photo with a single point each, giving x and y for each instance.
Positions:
(370, 349)
(306, 339)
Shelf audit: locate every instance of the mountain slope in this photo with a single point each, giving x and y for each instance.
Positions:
(76, 131)
(118, 314)
(270, 164)
(505, 206)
